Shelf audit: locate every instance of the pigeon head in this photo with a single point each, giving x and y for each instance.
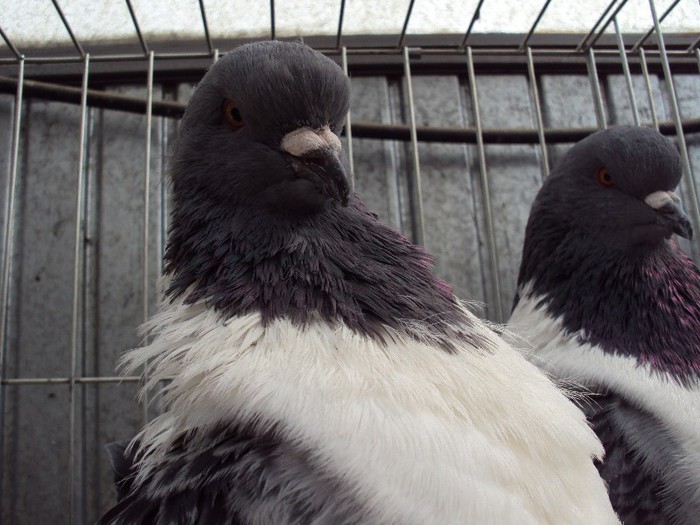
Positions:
(261, 131)
(616, 186)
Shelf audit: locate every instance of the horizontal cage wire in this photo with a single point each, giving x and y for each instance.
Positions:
(449, 138)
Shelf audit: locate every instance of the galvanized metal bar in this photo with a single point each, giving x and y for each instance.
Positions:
(583, 41)
(272, 19)
(498, 314)
(647, 83)
(340, 24)
(77, 274)
(607, 23)
(692, 46)
(7, 247)
(521, 48)
(66, 380)
(417, 193)
(697, 57)
(595, 86)
(207, 35)
(692, 194)
(9, 43)
(405, 23)
(142, 41)
(475, 17)
(146, 209)
(348, 125)
(216, 56)
(626, 70)
(68, 28)
(639, 43)
(538, 112)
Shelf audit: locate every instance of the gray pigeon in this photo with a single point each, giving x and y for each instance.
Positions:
(319, 371)
(610, 302)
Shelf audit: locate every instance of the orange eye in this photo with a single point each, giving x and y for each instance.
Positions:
(604, 177)
(233, 114)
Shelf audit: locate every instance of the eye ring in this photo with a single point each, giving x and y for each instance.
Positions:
(232, 114)
(604, 177)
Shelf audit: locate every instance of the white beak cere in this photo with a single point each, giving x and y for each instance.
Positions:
(659, 199)
(305, 140)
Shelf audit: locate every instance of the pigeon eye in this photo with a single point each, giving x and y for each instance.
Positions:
(604, 177)
(233, 114)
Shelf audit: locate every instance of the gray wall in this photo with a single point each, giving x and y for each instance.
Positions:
(37, 466)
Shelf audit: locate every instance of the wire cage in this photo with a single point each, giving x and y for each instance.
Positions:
(449, 138)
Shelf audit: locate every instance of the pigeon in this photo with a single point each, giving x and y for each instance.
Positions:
(318, 371)
(611, 304)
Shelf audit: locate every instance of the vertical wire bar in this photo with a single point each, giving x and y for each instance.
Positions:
(144, 46)
(583, 41)
(9, 43)
(697, 57)
(207, 35)
(538, 111)
(405, 23)
(7, 245)
(272, 19)
(597, 95)
(647, 83)
(348, 126)
(215, 58)
(146, 210)
(68, 28)
(339, 36)
(488, 211)
(521, 48)
(688, 171)
(475, 17)
(646, 35)
(418, 218)
(626, 69)
(77, 273)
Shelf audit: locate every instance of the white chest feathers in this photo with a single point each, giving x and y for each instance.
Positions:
(423, 436)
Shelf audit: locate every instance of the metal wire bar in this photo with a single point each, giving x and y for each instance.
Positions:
(9, 43)
(405, 23)
(626, 70)
(605, 26)
(583, 41)
(597, 95)
(417, 192)
(7, 248)
(340, 24)
(638, 44)
(68, 28)
(207, 35)
(521, 48)
(498, 315)
(538, 112)
(692, 46)
(348, 125)
(688, 172)
(475, 17)
(66, 380)
(215, 58)
(647, 83)
(146, 209)
(697, 57)
(144, 46)
(272, 19)
(77, 272)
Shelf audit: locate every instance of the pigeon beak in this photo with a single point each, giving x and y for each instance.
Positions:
(315, 155)
(668, 205)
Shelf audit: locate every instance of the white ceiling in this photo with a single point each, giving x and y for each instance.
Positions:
(36, 22)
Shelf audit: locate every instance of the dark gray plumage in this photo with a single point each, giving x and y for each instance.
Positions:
(609, 301)
(318, 371)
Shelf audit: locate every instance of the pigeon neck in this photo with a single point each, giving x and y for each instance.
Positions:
(339, 265)
(644, 304)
